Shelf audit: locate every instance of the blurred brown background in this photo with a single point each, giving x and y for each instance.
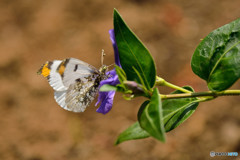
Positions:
(34, 127)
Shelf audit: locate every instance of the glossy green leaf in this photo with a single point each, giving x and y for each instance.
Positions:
(176, 111)
(217, 58)
(132, 133)
(150, 117)
(133, 53)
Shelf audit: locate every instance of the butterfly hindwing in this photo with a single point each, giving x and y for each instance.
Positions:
(60, 98)
(77, 97)
(80, 95)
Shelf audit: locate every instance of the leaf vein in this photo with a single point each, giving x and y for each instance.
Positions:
(215, 66)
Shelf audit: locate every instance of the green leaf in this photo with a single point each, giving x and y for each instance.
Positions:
(217, 57)
(176, 111)
(132, 133)
(150, 117)
(107, 87)
(118, 87)
(133, 53)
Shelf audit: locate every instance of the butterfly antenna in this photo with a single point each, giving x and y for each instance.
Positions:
(103, 54)
(110, 65)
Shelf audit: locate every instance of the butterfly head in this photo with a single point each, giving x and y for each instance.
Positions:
(103, 69)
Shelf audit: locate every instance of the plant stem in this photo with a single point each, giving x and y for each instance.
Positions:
(202, 94)
(207, 95)
(162, 82)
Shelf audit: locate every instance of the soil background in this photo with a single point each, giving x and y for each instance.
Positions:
(34, 127)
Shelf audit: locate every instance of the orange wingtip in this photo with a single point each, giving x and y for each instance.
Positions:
(44, 70)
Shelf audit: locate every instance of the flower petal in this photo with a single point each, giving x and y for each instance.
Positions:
(116, 53)
(107, 102)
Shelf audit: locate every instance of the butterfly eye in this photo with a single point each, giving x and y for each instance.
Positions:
(103, 69)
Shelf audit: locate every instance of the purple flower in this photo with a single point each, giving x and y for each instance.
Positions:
(106, 98)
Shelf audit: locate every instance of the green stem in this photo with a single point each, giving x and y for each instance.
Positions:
(162, 82)
(206, 94)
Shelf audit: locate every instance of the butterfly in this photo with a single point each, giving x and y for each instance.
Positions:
(75, 83)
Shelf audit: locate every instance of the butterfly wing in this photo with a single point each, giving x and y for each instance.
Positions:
(49, 70)
(78, 96)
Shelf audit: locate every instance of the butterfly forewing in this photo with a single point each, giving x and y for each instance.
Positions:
(72, 69)
(49, 70)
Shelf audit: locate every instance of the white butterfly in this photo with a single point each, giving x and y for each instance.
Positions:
(75, 82)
